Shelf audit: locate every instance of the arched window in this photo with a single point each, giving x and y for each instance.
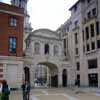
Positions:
(37, 48)
(46, 51)
(56, 50)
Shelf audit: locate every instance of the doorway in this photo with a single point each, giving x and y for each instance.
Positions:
(64, 78)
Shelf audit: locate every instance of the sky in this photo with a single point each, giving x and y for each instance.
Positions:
(48, 13)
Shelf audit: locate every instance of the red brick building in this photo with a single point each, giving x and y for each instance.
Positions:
(11, 43)
(11, 30)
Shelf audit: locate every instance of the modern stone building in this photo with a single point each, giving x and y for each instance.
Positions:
(82, 35)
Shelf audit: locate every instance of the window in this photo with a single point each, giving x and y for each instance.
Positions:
(92, 63)
(83, 49)
(56, 49)
(76, 51)
(83, 35)
(76, 39)
(87, 33)
(37, 48)
(13, 22)
(97, 28)
(78, 66)
(88, 47)
(78, 79)
(76, 23)
(89, 14)
(98, 43)
(93, 45)
(92, 30)
(88, 1)
(12, 45)
(65, 46)
(94, 11)
(64, 43)
(46, 49)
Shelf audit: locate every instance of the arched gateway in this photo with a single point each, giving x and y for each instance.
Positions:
(46, 74)
(48, 65)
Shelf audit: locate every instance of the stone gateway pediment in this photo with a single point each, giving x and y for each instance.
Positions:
(45, 33)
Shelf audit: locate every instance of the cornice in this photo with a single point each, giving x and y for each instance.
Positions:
(43, 37)
(10, 12)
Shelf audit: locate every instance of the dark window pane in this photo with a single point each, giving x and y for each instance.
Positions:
(78, 65)
(93, 45)
(88, 1)
(12, 45)
(76, 39)
(88, 47)
(98, 43)
(92, 30)
(46, 49)
(76, 51)
(94, 11)
(89, 14)
(65, 43)
(92, 63)
(97, 28)
(87, 33)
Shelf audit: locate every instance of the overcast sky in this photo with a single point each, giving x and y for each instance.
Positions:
(48, 13)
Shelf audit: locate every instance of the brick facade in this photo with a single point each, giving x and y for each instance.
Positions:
(6, 31)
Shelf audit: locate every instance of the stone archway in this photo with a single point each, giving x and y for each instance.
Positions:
(64, 78)
(52, 74)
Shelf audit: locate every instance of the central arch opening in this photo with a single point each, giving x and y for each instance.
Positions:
(46, 74)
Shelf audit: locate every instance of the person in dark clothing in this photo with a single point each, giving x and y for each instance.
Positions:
(5, 91)
(23, 90)
(27, 85)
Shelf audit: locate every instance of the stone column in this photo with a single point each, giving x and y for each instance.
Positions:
(31, 76)
(60, 78)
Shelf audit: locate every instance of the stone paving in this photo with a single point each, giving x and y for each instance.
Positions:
(59, 94)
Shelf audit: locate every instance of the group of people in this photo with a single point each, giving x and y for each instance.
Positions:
(26, 90)
(4, 90)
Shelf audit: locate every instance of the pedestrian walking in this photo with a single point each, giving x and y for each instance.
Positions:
(5, 91)
(27, 85)
(23, 90)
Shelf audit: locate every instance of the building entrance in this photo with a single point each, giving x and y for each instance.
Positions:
(93, 80)
(46, 74)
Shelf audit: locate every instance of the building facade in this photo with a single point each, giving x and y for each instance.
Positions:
(27, 24)
(83, 38)
(11, 44)
(46, 49)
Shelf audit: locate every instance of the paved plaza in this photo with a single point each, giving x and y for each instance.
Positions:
(59, 94)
